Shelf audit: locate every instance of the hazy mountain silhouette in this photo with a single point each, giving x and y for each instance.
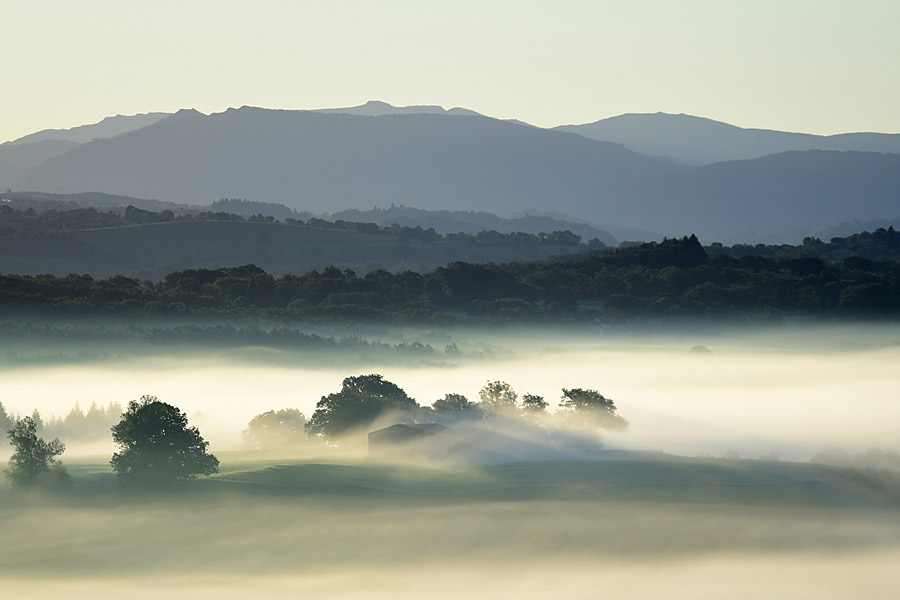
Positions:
(322, 162)
(108, 127)
(17, 159)
(31, 154)
(701, 141)
(19, 156)
(376, 108)
(787, 192)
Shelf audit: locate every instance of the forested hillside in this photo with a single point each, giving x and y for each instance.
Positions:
(672, 280)
(149, 245)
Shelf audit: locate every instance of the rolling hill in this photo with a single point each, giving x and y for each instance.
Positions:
(151, 251)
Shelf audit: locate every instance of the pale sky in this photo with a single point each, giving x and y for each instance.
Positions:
(817, 66)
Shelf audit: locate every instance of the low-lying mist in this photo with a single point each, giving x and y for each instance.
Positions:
(776, 393)
(232, 546)
(341, 524)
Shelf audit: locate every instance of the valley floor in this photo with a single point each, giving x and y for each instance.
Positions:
(698, 528)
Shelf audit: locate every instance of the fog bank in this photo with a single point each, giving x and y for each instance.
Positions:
(752, 395)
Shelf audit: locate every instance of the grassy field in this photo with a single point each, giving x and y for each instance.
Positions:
(336, 528)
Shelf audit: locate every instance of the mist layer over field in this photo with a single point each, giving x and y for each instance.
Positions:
(788, 393)
(566, 530)
(347, 526)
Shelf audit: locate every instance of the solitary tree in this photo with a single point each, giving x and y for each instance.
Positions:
(591, 409)
(33, 460)
(361, 401)
(156, 446)
(276, 429)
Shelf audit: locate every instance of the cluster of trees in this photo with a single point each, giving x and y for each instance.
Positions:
(365, 399)
(249, 208)
(879, 245)
(156, 447)
(84, 425)
(76, 425)
(675, 278)
(7, 420)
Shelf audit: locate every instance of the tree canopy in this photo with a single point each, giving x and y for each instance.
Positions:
(34, 460)
(452, 403)
(498, 396)
(276, 429)
(361, 401)
(670, 280)
(156, 445)
(592, 409)
(533, 404)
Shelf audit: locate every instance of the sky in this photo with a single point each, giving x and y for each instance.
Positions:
(816, 66)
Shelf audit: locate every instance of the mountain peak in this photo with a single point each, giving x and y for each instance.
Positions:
(377, 104)
(184, 112)
(378, 108)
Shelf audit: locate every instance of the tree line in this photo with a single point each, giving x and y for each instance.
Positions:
(364, 399)
(77, 424)
(156, 445)
(673, 279)
(19, 226)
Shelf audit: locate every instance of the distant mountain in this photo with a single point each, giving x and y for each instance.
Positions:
(19, 156)
(30, 154)
(322, 162)
(108, 127)
(376, 108)
(17, 159)
(699, 141)
(751, 199)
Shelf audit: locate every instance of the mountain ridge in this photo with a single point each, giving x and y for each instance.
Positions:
(701, 141)
(106, 127)
(323, 162)
(278, 155)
